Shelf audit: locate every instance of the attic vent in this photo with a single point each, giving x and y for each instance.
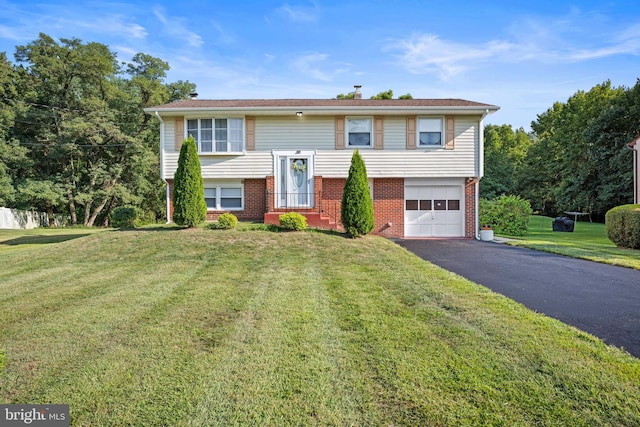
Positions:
(194, 95)
(357, 94)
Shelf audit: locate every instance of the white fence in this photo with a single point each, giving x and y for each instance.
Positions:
(15, 219)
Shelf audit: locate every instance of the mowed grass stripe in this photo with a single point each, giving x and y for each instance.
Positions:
(285, 359)
(200, 327)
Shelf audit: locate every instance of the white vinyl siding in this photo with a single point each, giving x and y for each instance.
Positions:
(293, 133)
(317, 133)
(169, 135)
(395, 133)
(422, 162)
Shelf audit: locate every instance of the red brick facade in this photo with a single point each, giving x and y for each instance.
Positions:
(388, 206)
(388, 203)
(254, 201)
(470, 226)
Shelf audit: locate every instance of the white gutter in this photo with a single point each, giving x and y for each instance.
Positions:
(167, 201)
(480, 170)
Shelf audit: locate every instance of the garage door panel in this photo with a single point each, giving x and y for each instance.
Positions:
(434, 211)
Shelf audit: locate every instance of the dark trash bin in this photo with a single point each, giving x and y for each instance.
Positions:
(562, 223)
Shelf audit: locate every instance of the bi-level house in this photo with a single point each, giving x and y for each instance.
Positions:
(263, 157)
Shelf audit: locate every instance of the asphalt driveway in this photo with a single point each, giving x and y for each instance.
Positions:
(600, 299)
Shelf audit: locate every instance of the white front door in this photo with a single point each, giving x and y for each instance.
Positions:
(294, 185)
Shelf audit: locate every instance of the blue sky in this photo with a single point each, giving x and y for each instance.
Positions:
(520, 55)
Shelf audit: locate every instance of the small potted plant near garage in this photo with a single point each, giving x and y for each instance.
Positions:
(486, 233)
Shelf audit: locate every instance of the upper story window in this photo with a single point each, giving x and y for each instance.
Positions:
(430, 132)
(359, 132)
(223, 135)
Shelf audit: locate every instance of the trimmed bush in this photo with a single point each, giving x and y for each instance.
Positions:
(293, 221)
(623, 226)
(227, 221)
(189, 206)
(125, 217)
(506, 215)
(357, 206)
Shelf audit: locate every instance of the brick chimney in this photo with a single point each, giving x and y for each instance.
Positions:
(357, 94)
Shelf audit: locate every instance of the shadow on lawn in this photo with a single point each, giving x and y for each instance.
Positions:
(41, 239)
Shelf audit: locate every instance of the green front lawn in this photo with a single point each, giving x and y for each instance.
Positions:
(202, 327)
(587, 241)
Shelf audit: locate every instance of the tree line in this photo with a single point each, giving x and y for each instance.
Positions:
(74, 140)
(575, 158)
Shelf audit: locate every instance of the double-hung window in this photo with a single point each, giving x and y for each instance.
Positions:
(217, 135)
(430, 132)
(224, 197)
(359, 132)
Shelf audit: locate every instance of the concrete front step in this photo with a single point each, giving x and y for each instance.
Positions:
(314, 219)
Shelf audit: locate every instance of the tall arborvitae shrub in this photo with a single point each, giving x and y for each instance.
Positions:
(357, 206)
(189, 206)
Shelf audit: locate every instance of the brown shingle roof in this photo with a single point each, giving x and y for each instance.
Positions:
(320, 103)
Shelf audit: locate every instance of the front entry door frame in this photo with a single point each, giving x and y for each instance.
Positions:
(293, 175)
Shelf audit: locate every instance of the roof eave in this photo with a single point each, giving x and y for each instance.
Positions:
(315, 110)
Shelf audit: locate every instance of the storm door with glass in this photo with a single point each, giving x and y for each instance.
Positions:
(295, 180)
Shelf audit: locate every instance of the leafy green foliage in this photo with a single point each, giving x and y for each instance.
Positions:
(293, 221)
(124, 217)
(357, 206)
(72, 124)
(227, 221)
(623, 226)
(507, 214)
(504, 152)
(382, 95)
(189, 206)
(578, 160)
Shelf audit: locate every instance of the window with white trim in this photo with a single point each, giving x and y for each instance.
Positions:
(217, 135)
(430, 132)
(228, 197)
(359, 132)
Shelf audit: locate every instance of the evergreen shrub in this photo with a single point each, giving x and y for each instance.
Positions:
(125, 217)
(189, 206)
(357, 206)
(227, 221)
(293, 221)
(623, 226)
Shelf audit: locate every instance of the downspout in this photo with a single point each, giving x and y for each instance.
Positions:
(480, 170)
(167, 201)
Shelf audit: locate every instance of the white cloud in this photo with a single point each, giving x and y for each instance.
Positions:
(312, 65)
(427, 53)
(178, 27)
(299, 13)
(113, 24)
(558, 42)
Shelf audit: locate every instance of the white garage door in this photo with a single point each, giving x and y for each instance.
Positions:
(433, 211)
